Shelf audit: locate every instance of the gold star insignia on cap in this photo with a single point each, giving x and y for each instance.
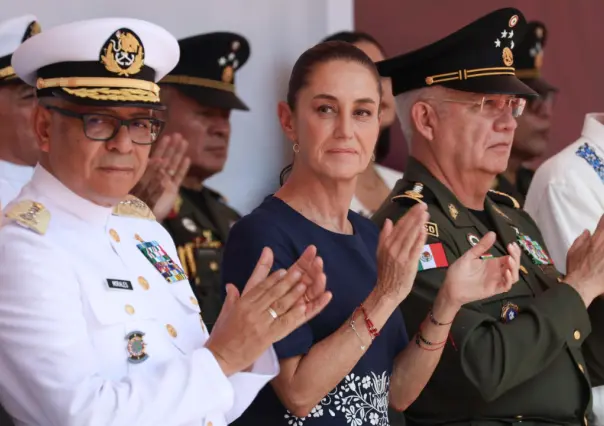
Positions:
(123, 53)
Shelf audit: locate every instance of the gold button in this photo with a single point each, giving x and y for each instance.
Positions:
(577, 334)
(171, 330)
(143, 282)
(138, 238)
(129, 309)
(581, 368)
(214, 266)
(523, 270)
(114, 235)
(194, 300)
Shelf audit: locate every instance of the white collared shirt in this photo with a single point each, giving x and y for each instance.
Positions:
(13, 177)
(64, 330)
(566, 195)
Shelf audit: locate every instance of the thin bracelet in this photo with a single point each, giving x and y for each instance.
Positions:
(351, 323)
(435, 322)
(427, 342)
(372, 330)
(418, 342)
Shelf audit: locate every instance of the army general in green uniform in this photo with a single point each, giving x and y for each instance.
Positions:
(513, 358)
(200, 95)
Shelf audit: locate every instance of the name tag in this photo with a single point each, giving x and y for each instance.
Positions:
(119, 284)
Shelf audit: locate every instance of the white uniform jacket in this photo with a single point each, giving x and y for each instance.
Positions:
(566, 194)
(92, 333)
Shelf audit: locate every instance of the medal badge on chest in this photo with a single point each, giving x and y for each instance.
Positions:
(509, 312)
(533, 249)
(161, 261)
(136, 347)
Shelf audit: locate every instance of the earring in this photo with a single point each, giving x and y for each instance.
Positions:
(373, 157)
(296, 148)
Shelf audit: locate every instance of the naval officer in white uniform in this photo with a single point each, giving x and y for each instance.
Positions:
(98, 323)
(18, 149)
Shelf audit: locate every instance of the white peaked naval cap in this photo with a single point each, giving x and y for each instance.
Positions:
(108, 61)
(13, 32)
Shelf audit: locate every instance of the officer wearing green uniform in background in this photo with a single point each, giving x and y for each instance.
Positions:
(532, 135)
(200, 95)
(516, 357)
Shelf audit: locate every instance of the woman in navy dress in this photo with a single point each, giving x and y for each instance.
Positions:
(351, 361)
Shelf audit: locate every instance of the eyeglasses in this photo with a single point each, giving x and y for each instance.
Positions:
(493, 106)
(104, 127)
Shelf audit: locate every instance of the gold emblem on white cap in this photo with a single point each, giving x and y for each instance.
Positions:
(123, 53)
(33, 29)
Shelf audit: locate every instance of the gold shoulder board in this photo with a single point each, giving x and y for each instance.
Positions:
(31, 215)
(509, 198)
(133, 207)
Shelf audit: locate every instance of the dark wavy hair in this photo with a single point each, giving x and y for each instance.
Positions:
(317, 55)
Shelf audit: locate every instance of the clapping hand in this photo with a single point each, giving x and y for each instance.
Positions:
(167, 168)
(270, 308)
(471, 278)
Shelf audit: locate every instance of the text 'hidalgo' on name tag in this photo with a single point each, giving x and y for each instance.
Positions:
(119, 284)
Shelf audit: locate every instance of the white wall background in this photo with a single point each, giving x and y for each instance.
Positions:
(278, 30)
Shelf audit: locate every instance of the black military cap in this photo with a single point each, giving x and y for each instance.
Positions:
(477, 58)
(529, 58)
(207, 66)
(13, 32)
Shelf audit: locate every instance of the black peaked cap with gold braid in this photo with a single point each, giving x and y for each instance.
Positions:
(529, 58)
(13, 32)
(477, 58)
(207, 67)
(106, 62)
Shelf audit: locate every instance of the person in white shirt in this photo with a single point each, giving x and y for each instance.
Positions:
(566, 198)
(18, 149)
(566, 195)
(376, 182)
(98, 323)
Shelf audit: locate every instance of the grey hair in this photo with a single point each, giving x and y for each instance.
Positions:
(403, 103)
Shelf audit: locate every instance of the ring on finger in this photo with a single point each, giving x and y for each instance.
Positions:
(306, 299)
(273, 313)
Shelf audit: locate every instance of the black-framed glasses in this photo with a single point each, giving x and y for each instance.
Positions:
(104, 127)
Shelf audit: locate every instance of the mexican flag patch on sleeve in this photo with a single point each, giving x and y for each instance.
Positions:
(433, 256)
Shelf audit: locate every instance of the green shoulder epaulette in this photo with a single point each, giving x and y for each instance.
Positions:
(133, 207)
(31, 215)
(503, 198)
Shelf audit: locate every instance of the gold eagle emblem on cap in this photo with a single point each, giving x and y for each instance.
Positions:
(32, 29)
(123, 53)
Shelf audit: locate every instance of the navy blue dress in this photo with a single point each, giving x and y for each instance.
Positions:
(361, 398)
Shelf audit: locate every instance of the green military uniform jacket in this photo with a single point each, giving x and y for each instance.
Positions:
(524, 177)
(527, 369)
(199, 225)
